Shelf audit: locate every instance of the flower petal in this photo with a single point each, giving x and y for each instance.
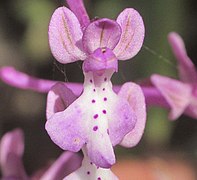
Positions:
(67, 128)
(58, 99)
(101, 33)
(65, 36)
(11, 151)
(18, 79)
(187, 70)
(78, 8)
(101, 60)
(132, 36)
(63, 166)
(122, 119)
(100, 150)
(134, 95)
(176, 93)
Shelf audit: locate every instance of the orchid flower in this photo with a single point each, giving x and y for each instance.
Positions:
(99, 119)
(11, 152)
(179, 95)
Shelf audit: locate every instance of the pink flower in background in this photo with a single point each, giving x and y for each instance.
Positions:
(11, 163)
(178, 95)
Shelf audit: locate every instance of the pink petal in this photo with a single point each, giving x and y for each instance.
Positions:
(21, 80)
(187, 70)
(100, 150)
(101, 33)
(101, 60)
(58, 99)
(77, 6)
(11, 151)
(122, 119)
(67, 129)
(63, 166)
(134, 95)
(132, 36)
(65, 36)
(176, 93)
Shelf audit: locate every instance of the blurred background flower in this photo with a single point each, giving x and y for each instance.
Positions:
(24, 45)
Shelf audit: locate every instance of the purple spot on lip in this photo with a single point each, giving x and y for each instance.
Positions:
(105, 79)
(95, 128)
(95, 116)
(88, 172)
(103, 89)
(105, 99)
(91, 163)
(98, 178)
(104, 111)
(108, 131)
(91, 81)
(94, 90)
(93, 101)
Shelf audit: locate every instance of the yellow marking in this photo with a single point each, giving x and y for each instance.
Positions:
(102, 34)
(76, 140)
(124, 37)
(67, 30)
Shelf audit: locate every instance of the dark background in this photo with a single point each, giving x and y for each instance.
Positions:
(24, 45)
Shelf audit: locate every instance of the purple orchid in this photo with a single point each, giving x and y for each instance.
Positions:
(11, 152)
(99, 119)
(178, 95)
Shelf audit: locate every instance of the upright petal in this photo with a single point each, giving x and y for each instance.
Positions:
(132, 36)
(79, 10)
(176, 93)
(65, 36)
(101, 33)
(134, 95)
(11, 151)
(187, 70)
(58, 99)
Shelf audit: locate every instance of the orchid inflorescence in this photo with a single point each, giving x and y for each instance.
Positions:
(96, 116)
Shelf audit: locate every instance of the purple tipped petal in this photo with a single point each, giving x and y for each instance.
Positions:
(132, 34)
(65, 36)
(11, 151)
(21, 80)
(58, 99)
(176, 93)
(79, 10)
(67, 128)
(101, 33)
(187, 70)
(100, 150)
(63, 166)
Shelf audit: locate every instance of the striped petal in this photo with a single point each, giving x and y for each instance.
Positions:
(132, 36)
(65, 36)
(101, 33)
